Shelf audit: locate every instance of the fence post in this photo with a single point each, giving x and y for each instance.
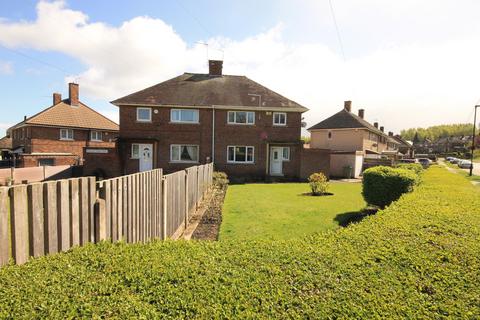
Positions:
(100, 221)
(164, 208)
(186, 199)
(4, 241)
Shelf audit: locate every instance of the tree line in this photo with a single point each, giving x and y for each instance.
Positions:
(436, 132)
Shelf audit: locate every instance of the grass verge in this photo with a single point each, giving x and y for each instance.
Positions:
(419, 258)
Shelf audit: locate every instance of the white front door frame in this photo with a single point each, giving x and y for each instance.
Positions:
(146, 157)
(276, 161)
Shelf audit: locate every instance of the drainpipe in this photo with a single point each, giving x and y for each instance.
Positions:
(213, 134)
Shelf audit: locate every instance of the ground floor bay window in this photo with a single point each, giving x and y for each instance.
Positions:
(240, 154)
(183, 153)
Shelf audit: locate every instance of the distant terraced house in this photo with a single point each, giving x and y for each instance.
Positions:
(59, 134)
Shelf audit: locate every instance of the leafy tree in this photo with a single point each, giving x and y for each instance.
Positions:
(435, 132)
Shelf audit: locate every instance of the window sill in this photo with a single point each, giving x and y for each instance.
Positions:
(240, 124)
(183, 122)
(236, 162)
(279, 125)
(180, 162)
(66, 139)
(143, 121)
(96, 140)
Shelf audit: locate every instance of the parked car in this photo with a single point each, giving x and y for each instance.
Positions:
(425, 162)
(407, 161)
(449, 158)
(455, 160)
(465, 164)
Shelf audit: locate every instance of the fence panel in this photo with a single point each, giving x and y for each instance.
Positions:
(53, 216)
(4, 226)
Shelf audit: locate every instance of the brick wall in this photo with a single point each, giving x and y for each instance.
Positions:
(314, 160)
(107, 165)
(27, 160)
(162, 133)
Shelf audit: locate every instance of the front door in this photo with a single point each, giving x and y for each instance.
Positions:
(276, 161)
(146, 157)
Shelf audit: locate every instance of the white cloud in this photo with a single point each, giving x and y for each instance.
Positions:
(6, 67)
(401, 84)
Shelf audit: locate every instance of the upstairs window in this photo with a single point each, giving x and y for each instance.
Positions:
(240, 154)
(144, 114)
(241, 117)
(66, 134)
(184, 115)
(95, 136)
(183, 153)
(279, 118)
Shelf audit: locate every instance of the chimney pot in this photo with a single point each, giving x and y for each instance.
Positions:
(215, 67)
(382, 129)
(375, 124)
(73, 93)
(348, 106)
(361, 113)
(24, 118)
(57, 97)
(390, 133)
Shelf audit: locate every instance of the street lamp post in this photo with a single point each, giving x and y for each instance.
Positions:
(473, 140)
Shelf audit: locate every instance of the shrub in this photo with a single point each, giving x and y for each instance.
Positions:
(220, 179)
(318, 183)
(415, 167)
(383, 185)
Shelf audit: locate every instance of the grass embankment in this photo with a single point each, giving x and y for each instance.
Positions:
(283, 211)
(463, 172)
(419, 258)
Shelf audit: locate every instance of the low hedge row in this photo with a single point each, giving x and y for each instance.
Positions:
(415, 167)
(419, 258)
(383, 185)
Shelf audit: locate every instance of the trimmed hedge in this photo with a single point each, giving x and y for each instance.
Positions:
(383, 185)
(417, 259)
(415, 167)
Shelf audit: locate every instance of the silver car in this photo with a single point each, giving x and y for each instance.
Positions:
(465, 164)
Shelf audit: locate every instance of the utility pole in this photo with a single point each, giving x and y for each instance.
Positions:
(473, 140)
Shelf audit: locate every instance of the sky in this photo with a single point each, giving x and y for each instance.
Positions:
(408, 63)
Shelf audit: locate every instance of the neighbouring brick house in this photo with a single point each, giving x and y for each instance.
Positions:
(351, 139)
(59, 134)
(243, 127)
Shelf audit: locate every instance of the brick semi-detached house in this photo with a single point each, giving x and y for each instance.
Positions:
(246, 129)
(59, 134)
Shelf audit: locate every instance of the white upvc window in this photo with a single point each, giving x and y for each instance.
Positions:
(184, 115)
(184, 153)
(286, 153)
(135, 151)
(144, 114)
(66, 134)
(279, 118)
(96, 136)
(241, 117)
(240, 154)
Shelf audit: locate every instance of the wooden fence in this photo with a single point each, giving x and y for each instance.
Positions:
(49, 217)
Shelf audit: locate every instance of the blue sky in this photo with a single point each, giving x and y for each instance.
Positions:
(403, 58)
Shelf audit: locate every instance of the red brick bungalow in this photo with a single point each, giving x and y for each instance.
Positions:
(59, 134)
(246, 129)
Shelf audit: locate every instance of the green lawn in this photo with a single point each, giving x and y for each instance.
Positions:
(283, 211)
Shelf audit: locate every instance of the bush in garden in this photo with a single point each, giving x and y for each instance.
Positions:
(416, 167)
(220, 179)
(383, 185)
(318, 183)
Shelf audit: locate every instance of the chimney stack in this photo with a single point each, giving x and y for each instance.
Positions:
(73, 93)
(24, 118)
(390, 133)
(57, 97)
(348, 106)
(375, 124)
(361, 113)
(382, 128)
(215, 67)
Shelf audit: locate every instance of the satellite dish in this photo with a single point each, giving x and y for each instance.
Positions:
(304, 124)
